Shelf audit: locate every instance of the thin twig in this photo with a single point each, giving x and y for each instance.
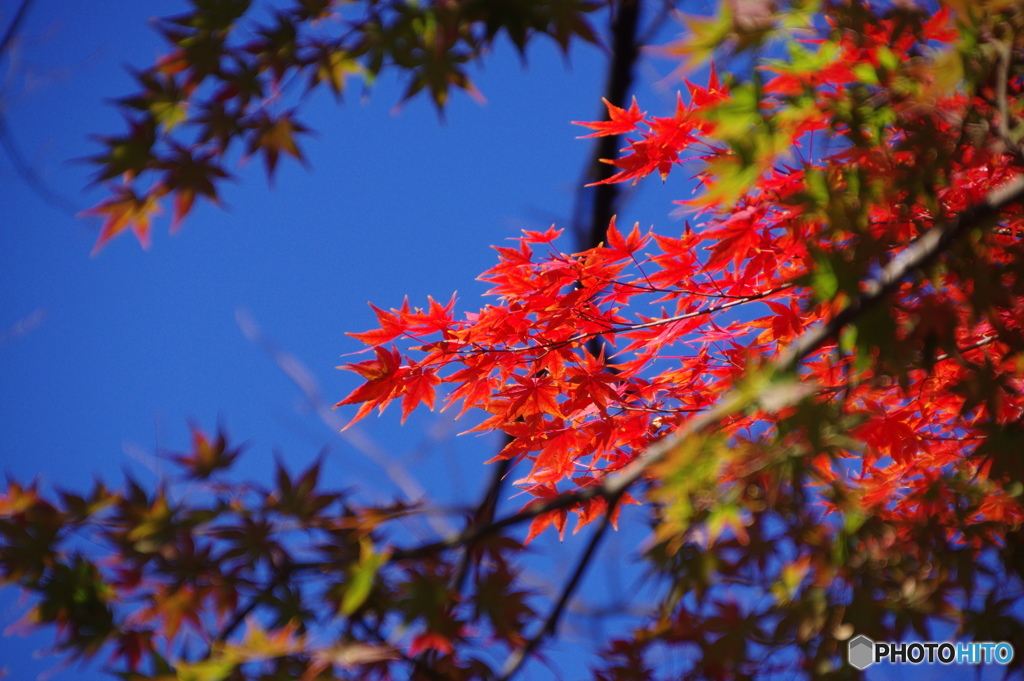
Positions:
(23, 326)
(21, 166)
(281, 576)
(625, 328)
(14, 26)
(29, 176)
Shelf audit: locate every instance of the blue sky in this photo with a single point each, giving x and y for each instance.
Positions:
(132, 343)
(118, 352)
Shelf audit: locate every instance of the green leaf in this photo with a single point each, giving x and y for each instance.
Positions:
(206, 670)
(363, 575)
(824, 279)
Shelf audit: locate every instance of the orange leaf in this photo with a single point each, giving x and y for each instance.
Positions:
(123, 210)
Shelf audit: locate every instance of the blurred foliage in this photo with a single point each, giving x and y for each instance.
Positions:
(816, 390)
(237, 74)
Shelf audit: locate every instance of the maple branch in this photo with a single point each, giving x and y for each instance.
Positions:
(23, 326)
(987, 340)
(519, 655)
(733, 302)
(917, 255)
(1006, 231)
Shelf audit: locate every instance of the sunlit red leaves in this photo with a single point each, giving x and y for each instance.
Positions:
(664, 139)
(804, 71)
(737, 237)
(714, 93)
(891, 432)
(624, 246)
(677, 262)
(533, 396)
(622, 121)
(785, 324)
(525, 365)
(586, 511)
(555, 518)
(643, 158)
(392, 325)
(897, 447)
(593, 381)
(387, 379)
(408, 321)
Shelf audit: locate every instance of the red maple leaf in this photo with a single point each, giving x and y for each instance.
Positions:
(622, 121)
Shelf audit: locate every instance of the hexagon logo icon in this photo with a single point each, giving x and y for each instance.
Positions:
(861, 652)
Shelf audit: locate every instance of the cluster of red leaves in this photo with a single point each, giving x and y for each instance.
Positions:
(659, 146)
(681, 318)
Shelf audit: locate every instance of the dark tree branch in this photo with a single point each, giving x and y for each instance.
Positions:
(281, 576)
(591, 218)
(519, 656)
(482, 516)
